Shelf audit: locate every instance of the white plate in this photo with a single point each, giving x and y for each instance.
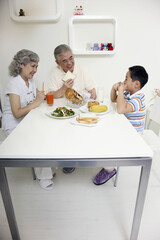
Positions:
(50, 112)
(75, 122)
(84, 109)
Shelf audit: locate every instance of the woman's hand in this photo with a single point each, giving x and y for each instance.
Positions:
(19, 111)
(40, 97)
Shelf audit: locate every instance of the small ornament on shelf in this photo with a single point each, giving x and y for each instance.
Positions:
(81, 10)
(105, 47)
(96, 47)
(110, 47)
(75, 10)
(78, 10)
(21, 12)
(99, 47)
(89, 47)
(102, 46)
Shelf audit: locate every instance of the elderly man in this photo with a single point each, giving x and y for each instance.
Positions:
(83, 82)
(65, 61)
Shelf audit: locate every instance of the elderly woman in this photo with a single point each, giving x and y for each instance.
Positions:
(21, 95)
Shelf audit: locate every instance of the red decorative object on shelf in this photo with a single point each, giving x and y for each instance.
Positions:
(110, 47)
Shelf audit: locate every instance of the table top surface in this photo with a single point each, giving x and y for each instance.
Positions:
(40, 136)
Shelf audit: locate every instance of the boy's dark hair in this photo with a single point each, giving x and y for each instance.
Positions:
(139, 73)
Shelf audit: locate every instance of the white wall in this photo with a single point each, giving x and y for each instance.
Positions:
(138, 40)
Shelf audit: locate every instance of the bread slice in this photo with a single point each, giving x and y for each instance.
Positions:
(68, 75)
(87, 118)
(87, 121)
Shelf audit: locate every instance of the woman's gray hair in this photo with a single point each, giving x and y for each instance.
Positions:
(24, 57)
(60, 50)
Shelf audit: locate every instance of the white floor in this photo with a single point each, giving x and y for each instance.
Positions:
(78, 210)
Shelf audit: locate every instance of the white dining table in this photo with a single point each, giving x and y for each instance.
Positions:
(43, 141)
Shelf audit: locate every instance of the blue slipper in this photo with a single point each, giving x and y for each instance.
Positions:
(103, 176)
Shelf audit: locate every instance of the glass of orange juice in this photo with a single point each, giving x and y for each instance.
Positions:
(50, 98)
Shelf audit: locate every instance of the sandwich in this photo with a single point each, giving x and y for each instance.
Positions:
(87, 118)
(68, 75)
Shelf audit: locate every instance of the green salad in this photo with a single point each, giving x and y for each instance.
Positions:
(62, 112)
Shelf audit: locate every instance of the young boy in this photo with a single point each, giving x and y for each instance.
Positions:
(130, 102)
(129, 97)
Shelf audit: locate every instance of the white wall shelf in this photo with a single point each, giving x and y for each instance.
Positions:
(92, 29)
(24, 19)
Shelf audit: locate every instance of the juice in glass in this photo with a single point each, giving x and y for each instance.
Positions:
(50, 98)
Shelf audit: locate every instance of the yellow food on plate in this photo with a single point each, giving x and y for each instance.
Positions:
(92, 103)
(98, 108)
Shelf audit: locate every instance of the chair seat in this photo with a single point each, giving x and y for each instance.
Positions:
(151, 139)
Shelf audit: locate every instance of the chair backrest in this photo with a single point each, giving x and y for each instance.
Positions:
(155, 112)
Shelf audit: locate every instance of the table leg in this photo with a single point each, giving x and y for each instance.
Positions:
(7, 201)
(142, 189)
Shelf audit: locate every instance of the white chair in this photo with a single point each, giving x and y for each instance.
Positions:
(150, 137)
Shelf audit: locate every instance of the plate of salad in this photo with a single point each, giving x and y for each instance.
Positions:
(61, 113)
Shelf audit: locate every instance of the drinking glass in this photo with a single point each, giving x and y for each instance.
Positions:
(100, 94)
(50, 99)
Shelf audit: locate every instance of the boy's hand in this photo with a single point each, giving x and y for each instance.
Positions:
(122, 87)
(116, 86)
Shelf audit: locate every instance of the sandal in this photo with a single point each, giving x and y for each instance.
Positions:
(46, 184)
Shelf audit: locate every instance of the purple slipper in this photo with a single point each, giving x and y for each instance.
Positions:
(103, 176)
